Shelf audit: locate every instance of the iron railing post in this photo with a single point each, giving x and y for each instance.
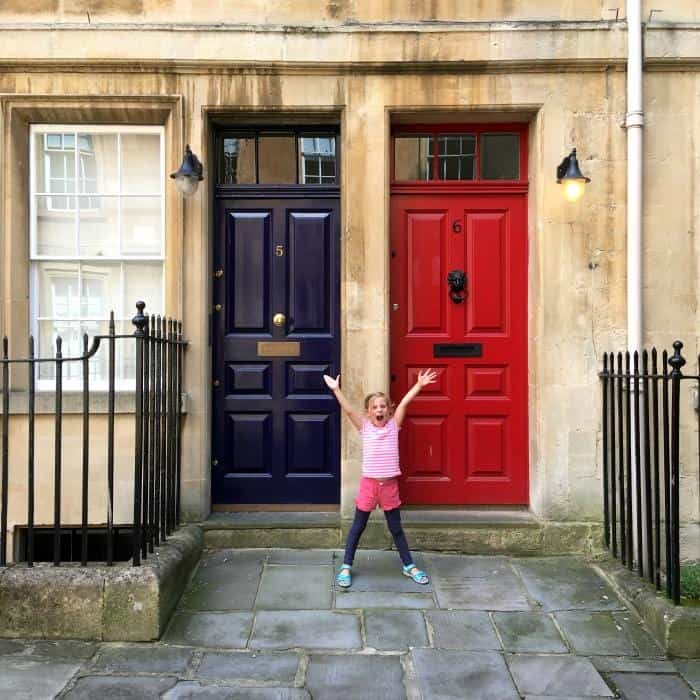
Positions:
(677, 361)
(140, 322)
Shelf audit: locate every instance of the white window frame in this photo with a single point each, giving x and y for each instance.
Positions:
(122, 314)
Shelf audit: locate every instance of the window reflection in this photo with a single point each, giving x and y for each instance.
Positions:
(238, 162)
(413, 158)
(317, 159)
(456, 157)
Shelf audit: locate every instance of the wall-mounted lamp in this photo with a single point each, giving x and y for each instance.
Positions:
(188, 176)
(569, 174)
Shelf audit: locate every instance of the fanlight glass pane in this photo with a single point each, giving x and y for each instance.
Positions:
(317, 160)
(500, 156)
(457, 157)
(238, 162)
(278, 164)
(140, 168)
(413, 158)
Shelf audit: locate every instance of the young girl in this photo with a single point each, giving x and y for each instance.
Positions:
(379, 484)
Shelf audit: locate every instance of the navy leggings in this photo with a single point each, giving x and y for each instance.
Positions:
(393, 520)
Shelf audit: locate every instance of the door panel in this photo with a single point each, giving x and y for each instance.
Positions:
(276, 427)
(464, 440)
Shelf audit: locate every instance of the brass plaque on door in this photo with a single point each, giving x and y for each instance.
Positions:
(280, 348)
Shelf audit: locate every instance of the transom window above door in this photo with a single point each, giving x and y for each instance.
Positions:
(278, 157)
(463, 153)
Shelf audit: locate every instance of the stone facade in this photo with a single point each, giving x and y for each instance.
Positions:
(558, 66)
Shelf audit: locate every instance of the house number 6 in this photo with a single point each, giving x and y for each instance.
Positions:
(279, 250)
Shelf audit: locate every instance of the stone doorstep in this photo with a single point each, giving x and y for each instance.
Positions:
(675, 627)
(472, 531)
(119, 603)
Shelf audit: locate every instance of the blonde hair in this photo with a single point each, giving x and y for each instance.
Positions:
(379, 395)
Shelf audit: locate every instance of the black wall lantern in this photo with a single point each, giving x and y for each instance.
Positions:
(570, 175)
(188, 176)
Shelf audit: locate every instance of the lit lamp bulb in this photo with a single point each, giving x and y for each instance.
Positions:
(570, 175)
(189, 175)
(573, 189)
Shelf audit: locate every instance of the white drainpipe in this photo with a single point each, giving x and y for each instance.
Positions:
(634, 122)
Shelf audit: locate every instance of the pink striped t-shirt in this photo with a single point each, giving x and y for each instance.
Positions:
(380, 450)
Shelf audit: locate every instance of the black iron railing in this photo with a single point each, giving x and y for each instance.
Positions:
(159, 348)
(641, 462)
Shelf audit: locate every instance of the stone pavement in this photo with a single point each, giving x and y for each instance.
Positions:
(271, 625)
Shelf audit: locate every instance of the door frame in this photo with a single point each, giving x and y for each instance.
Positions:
(471, 187)
(218, 192)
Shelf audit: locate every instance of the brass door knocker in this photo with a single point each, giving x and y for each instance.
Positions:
(457, 282)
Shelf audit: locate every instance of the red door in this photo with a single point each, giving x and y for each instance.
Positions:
(464, 439)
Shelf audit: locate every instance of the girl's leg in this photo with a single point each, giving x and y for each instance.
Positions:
(358, 527)
(393, 520)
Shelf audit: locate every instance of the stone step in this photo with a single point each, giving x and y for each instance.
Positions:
(468, 531)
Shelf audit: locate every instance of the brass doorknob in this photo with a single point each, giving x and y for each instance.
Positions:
(279, 319)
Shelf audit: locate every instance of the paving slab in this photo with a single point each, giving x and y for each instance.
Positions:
(470, 630)
(301, 556)
(480, 594)
(381, 571)
(121, 687)
(34, 678)
(185, 690)
(225, 580)
(413, 601)
(641, 638)
(529, 632)
(566, 583)
(468, 567)
(448, 674)
(285, 629)
(225, 630)
(595, 633)
(395, 630)
(64, 649)
(142, 659)
(298, 587)
(645, 686)
(355, 676)
(690, 670)
(258, 668)
(632, 664)
(556, 675)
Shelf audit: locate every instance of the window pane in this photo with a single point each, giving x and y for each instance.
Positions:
(98, 162)
(99, 226)
(456, 156)
(141, 226)
(55, 225)
(238, 163)
(58, 289)
(143, 281)
(72, 344)
(100, 290)
(141, 164)
(413, 157)
(317, 160)
(277, 156)
(500, 156)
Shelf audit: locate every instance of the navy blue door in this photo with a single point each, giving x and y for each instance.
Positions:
(276, 428)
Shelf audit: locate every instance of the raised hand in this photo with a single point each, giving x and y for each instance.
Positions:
(425, 377)
(331, 383)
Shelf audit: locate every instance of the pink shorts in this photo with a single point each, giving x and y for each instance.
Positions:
(378, 492)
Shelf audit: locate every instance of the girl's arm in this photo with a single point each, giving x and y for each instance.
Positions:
(425, 377)
(334, 386)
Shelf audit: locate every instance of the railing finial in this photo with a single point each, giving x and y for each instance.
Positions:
(139, 320)
(677, 360)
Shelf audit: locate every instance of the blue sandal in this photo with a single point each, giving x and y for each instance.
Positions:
(344, 577)
(413, 572)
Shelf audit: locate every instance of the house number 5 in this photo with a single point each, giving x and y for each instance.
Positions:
(279, 250)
